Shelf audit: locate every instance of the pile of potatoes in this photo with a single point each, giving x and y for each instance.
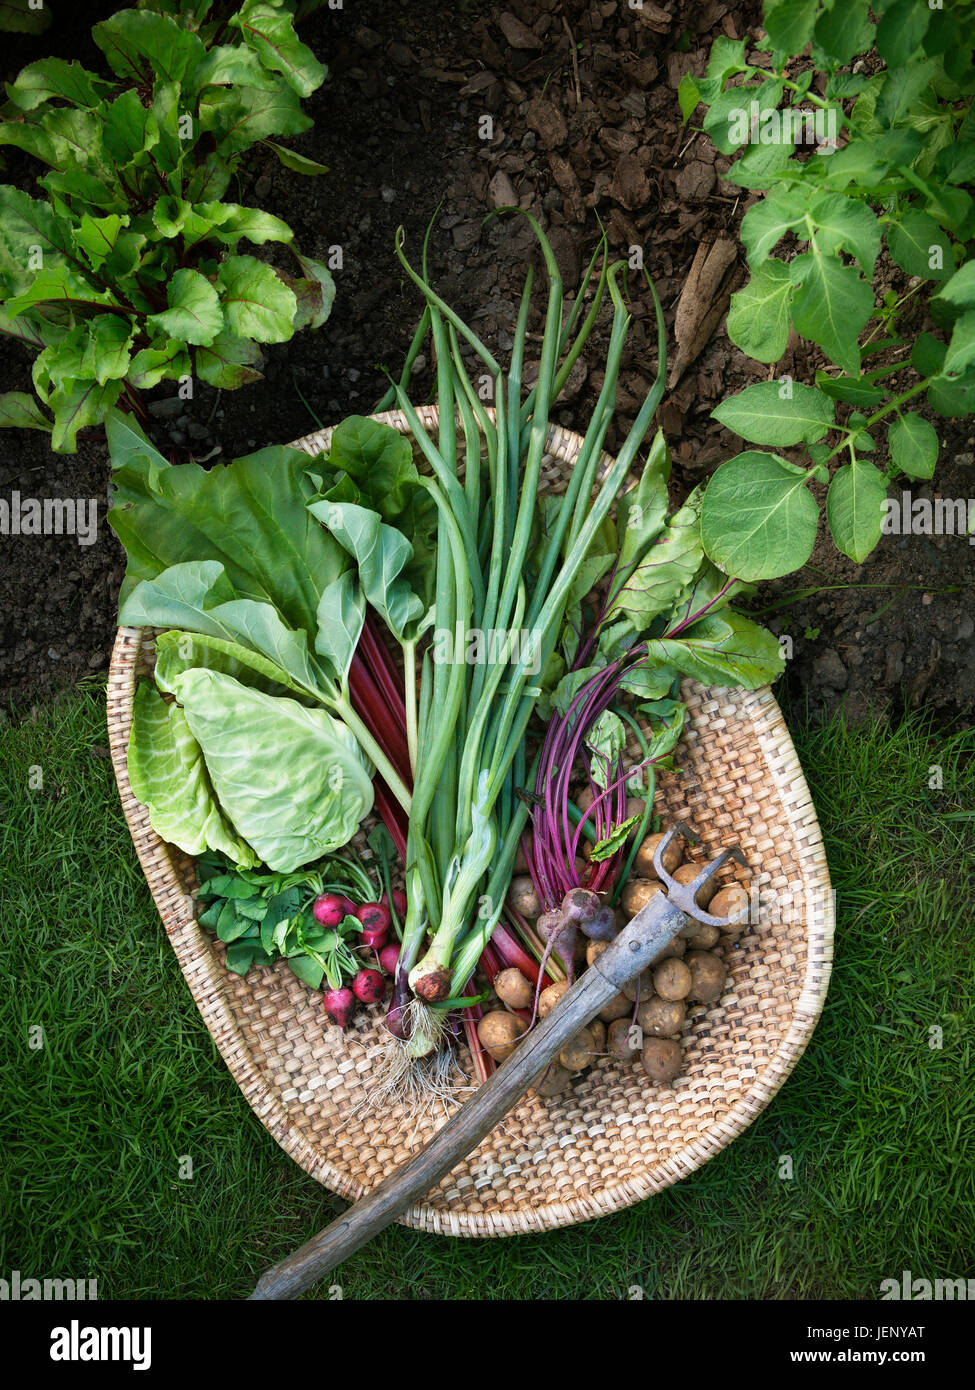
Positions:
(644, 1023)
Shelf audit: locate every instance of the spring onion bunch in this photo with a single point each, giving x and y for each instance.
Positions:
(501, 575)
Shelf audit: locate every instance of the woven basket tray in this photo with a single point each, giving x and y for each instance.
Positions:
(613, 1138)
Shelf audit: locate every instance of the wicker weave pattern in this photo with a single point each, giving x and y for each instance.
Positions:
(614, 1138)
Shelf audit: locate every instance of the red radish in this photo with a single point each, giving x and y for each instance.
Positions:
(369, 986)
(374, 937)
(388, 957)
(340, 1006)
(329, 909)
(399, 902)
(374, 917)
(348, 906)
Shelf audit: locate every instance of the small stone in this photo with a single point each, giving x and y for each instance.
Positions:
(501, 191)
(518, 34)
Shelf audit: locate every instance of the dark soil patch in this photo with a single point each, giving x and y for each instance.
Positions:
(582, 97)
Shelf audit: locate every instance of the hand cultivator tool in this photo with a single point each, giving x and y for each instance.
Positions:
(639, 943)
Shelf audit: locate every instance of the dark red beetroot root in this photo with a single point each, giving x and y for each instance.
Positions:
(388, 957)
(330, 909)
(369, 986)
(340, 1006)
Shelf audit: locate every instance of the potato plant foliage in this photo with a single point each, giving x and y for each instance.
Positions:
(850, 156)
(127, 271)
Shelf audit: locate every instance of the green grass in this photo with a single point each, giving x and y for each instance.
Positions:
(94, 1123)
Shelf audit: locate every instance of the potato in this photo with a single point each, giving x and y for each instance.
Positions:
(708, 976)
(672, 979)
(499, 1033)
(521, 863)
(514, 989)
(641, 985)
(583, 798)
(644, 856)
(701, 935)
(687, 873)
(553, 1081)
(635, 806)
(621, 1039)
(579, 1052)
(662, 1059)
(677, 947)
(598, 1030)
(637, 894)
(662, 1018)
(523, 898)
(594, 950)
(728, 902)
(619, 1007)
(549, 997)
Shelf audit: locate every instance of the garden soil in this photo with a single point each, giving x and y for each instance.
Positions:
(569, 109)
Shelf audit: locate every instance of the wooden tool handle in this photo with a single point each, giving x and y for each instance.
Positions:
(645, 936)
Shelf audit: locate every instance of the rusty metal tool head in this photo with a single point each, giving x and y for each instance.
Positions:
(684, 895)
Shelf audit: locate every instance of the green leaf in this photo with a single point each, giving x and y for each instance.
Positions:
(844, 31)
(308, 971)
(108, 348)
(854, 390)
(233, 65)
(953, 397)
(758, 519)
(766, 223)
(831, 306)
(177, 652)
(141, 46)
(917, 240)
(961, 348)
(228, 361)
(98, 237)
(664, 569)
(318, 273)
(733, 116)
(291, 779)
(131, 130)
(688, 95)
(381, 553)
(78, 405)
(297, 163)
(845, 225)
(252, 223)
(724, 649)
(194, 314)
(777, 414)
(238, 117)
(20, 17)
(642, 510)
(758, 319)
(270, 32)
(154, 364)
(248, 515)
(18, 410)
(789, 25)
(960, 289)
(855, 508)
(256, 302)
(180, 597)
(927, 355)
(27, 224)
(913, 445)
(900, 32)
(341, 615)
(167, 774)
(58, 284)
